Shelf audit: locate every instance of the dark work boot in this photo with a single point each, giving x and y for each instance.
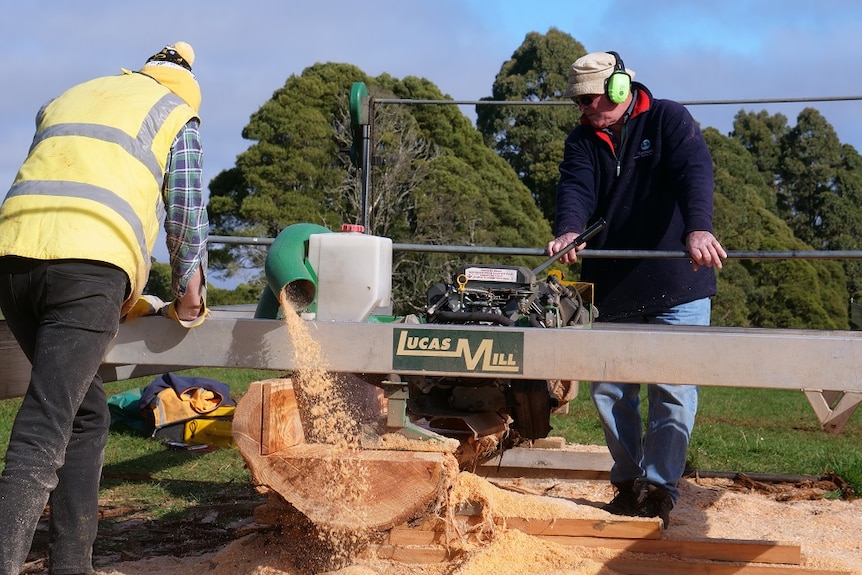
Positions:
(625, 502)
(655, 502)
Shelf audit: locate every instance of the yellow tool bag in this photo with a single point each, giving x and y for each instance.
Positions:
(192, 410)
(214, 428)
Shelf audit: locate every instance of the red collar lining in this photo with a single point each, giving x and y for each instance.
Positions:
(642, 104)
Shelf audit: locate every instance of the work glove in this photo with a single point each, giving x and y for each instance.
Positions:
(146, 305)
(170, 311)
(153, 305)
(202, 400)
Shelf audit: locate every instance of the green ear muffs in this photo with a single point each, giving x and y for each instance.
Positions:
(619, 84)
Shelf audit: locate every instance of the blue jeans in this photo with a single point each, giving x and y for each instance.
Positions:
(657, 455)
(63, 314)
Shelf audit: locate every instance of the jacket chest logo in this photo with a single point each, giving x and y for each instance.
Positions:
(645, 151)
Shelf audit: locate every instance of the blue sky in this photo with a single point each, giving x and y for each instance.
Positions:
(681, 49)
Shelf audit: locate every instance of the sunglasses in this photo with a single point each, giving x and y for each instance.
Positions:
(585, 100)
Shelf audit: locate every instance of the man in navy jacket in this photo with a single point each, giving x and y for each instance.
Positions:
(641, 164)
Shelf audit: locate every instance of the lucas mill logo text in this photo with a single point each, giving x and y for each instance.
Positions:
(458, 351)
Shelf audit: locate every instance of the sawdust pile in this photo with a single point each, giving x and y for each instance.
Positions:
(470, 489)
(515, 553)
(490, 548)
(827, 530)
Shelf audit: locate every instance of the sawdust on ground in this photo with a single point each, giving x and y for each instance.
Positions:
(826, 530)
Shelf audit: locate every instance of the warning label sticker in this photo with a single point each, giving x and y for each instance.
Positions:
(492, 274)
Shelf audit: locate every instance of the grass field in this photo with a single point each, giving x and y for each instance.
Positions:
(737, 430)
(748, 430)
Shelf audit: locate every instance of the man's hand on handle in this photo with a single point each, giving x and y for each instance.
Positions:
(560, 243)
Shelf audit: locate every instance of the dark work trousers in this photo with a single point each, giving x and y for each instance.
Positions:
(64, 315)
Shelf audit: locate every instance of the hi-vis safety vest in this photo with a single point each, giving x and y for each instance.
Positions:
(90, 187)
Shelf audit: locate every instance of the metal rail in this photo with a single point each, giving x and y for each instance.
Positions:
(587, 253)
(567, 102)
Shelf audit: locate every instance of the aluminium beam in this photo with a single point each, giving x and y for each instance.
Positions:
(730, 357)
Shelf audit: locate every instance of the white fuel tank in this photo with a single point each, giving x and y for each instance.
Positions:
(354, 273)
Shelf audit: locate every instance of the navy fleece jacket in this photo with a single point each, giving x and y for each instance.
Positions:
(654, 190)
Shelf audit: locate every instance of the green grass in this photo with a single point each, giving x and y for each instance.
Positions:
(165, 482)
(737, 430)
(747, 430)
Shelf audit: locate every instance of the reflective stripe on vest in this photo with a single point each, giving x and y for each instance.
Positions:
(78, 190)
(138, 147)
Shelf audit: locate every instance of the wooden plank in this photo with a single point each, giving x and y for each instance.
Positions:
(408, 536)
(737, 550)
(614, 528)
(561, 464)
(634, 528)
(709, 549)
(504, 472)
(552, 442)
(417, 553)
(663, 567)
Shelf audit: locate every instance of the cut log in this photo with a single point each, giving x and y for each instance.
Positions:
(336, 488)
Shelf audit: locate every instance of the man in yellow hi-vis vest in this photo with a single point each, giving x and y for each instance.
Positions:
(111, 159)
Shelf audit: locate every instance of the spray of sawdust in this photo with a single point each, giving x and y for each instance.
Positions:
(327, 419)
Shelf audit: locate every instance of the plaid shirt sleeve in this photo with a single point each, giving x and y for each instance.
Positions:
(186, 221)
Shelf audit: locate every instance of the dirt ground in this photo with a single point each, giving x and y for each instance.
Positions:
(224, 539)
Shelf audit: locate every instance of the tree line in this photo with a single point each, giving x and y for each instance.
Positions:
(438, 179)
